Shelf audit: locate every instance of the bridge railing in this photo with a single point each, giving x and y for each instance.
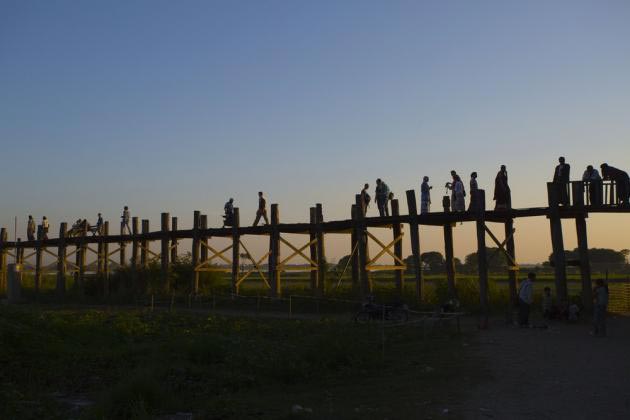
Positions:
(592, 193)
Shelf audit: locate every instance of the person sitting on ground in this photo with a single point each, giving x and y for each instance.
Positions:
(593, 182)
(365, 199)
(525, 299)
(425, 196)
(228, 217)
(621, 179)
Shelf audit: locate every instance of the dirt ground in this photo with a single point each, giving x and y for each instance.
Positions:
(558, 373)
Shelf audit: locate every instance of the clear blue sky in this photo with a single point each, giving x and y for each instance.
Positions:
(176, 106)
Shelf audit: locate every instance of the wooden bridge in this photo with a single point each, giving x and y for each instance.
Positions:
(105, 247)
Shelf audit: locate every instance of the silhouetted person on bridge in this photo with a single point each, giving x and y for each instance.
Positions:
(561, 179)
(124, 221)
(458, 202)
(502, 193)
(621, 179)
(593, 182)
(473, 192)
(45, 228)
(425, 196)
(365, 199)
(31, 228)
(99, 224)
(262, 209)
(382, 196)
(228, 216)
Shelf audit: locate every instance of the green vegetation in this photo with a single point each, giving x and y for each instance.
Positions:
(133, 364)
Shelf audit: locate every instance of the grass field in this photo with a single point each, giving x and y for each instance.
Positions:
(135, 364)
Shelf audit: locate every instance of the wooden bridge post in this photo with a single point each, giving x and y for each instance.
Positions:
(236, 249)
(557, 243)
(414, 236)
(582, 238)
(321, 251)
(144, 244)
(203, 250)
(105, 258)
(482, 258)
(194, 287)
(38, 266)
(274, 256)
(134, 248)
(313, 247)
(354, 250)
(82, 255)
(397, 231)
(101, 257)
(61, 260)
(450, 260)
(366, 284)
(509, 246)
(173, 239)
(3, 259)
(165, 251)
(123, 248)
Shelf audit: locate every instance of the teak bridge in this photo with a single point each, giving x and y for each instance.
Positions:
(313, 250)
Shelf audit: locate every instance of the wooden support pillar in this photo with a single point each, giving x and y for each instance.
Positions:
(173, 239)
(354, 250)
(482, 258)
(123, 248)
(61, 260)
(582, 239)
(236, 249)
(203, 250)
(450, 261)
(360, 228)
(274, 256)
(397, 231)
(414, 235)
(144, 260)
(38, 266)
(194, 287)
(313, 246)
(105, 258)
(101, 256)
(3, 259)
(321, 251)
(557, 243)
(82, 255)
(134, 246)
(509, 247)
(165, 251)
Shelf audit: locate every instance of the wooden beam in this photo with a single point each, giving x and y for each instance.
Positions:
(557, 243)
(236, 249)
(321, 251)
(61, 260)
(274, 256)
(414, 236)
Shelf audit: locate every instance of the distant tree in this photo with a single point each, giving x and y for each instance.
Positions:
(496, 261)
(433, 261)
(598, 256)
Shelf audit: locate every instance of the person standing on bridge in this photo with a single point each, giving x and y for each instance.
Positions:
(473, 192)
(31, 228)
(262, 209)
(45, 227)
(124, 221)
(382, 196)
(561, 180)
(425, 196)
(228, 216)
(365, 199)
(593, 182)
(458, 202)
(99, 224)
(502, 193)
(621, 179)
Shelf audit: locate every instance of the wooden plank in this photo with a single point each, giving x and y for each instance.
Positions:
(397, 268)
(414, 236)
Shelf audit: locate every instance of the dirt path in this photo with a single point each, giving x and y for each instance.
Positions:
(559, 373)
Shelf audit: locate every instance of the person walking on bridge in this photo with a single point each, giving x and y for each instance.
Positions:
(31, 228)
(473, 192)
(621, 180)
(593, 182)
(425, 196)
(262, 209)
(561, 180)
(382, 196)
(365, 199)
(502, 193)
(124, 221)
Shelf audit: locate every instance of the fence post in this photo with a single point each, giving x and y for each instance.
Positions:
(61, 260)
(482, 259)
(321, 251)
(236, 249)
(582, 239)
(194, 287)
(557, 243)
(164, 254)
(274, 256)
(414, 236)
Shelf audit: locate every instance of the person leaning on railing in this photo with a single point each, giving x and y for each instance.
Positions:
(621, 179)
(594, 183)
